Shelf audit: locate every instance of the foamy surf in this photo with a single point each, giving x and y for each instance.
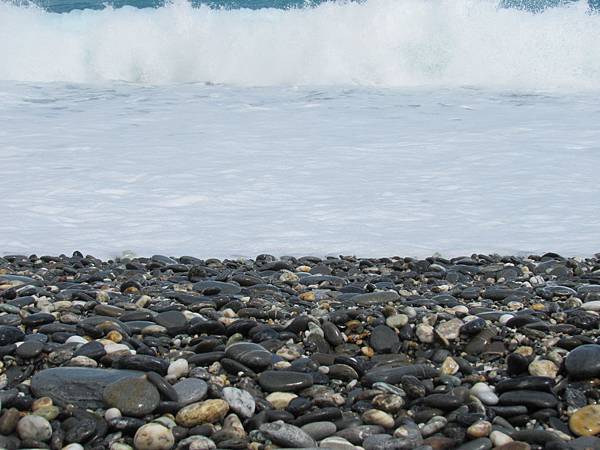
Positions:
(375, 43)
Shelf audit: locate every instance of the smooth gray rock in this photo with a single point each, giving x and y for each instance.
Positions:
(287, 435)
(190, 390)
(583, 362)
(375, 298)
(319, 430)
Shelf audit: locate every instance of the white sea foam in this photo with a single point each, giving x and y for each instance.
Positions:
(375, 43)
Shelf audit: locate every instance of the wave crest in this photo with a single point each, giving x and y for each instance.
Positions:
(374, 43)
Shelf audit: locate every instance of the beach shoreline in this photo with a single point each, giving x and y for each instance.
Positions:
(476, 352)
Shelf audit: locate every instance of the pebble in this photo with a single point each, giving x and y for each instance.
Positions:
(583, 362)
(153, 436)
(280, 400)
(286, 435)
(378, 417)
(480, 429)
(178, 368)
(586, 421)
(34, 428)
(543, 368)
(208, 411)
(319, 430)
(285, 381)
(499, 438)
(240, 401)
(132, 396)
(190, 390)
(484, 393)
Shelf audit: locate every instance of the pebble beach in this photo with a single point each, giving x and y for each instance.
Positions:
(344, 353)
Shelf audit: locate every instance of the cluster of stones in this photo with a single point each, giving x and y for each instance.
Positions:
(164, 353)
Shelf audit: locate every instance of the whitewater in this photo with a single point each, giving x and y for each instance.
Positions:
(371, 128)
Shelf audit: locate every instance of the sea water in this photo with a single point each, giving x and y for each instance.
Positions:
(229, 129)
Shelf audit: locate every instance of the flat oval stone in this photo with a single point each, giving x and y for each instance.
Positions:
(319, 430)
(284, 381)
(10, 335)
(29, 349)
(80, 386)
(253, 355)
(132, 396)
(144, 363)
(375, 298)
(586, 421)
(393, 375)
(531, 399)
(218, 287)
(583, 362)
(190, 390)
(531, 383)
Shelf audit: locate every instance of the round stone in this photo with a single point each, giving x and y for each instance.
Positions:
(153, 436)
(586, 421)
(209, 411)
(34, 428)
(584, 362)
(133, 397)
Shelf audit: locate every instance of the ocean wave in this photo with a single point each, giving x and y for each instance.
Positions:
(372, 43)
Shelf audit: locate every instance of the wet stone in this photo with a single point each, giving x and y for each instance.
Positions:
(79, 386)
(284, 381)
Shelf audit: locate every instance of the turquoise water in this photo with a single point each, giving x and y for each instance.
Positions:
(61, 6)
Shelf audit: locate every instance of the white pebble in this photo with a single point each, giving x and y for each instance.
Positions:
(498, 438)
(112, 413)
(591, 306)
(484, 393)
(113, 348)
(76, 340)
(178, 368)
